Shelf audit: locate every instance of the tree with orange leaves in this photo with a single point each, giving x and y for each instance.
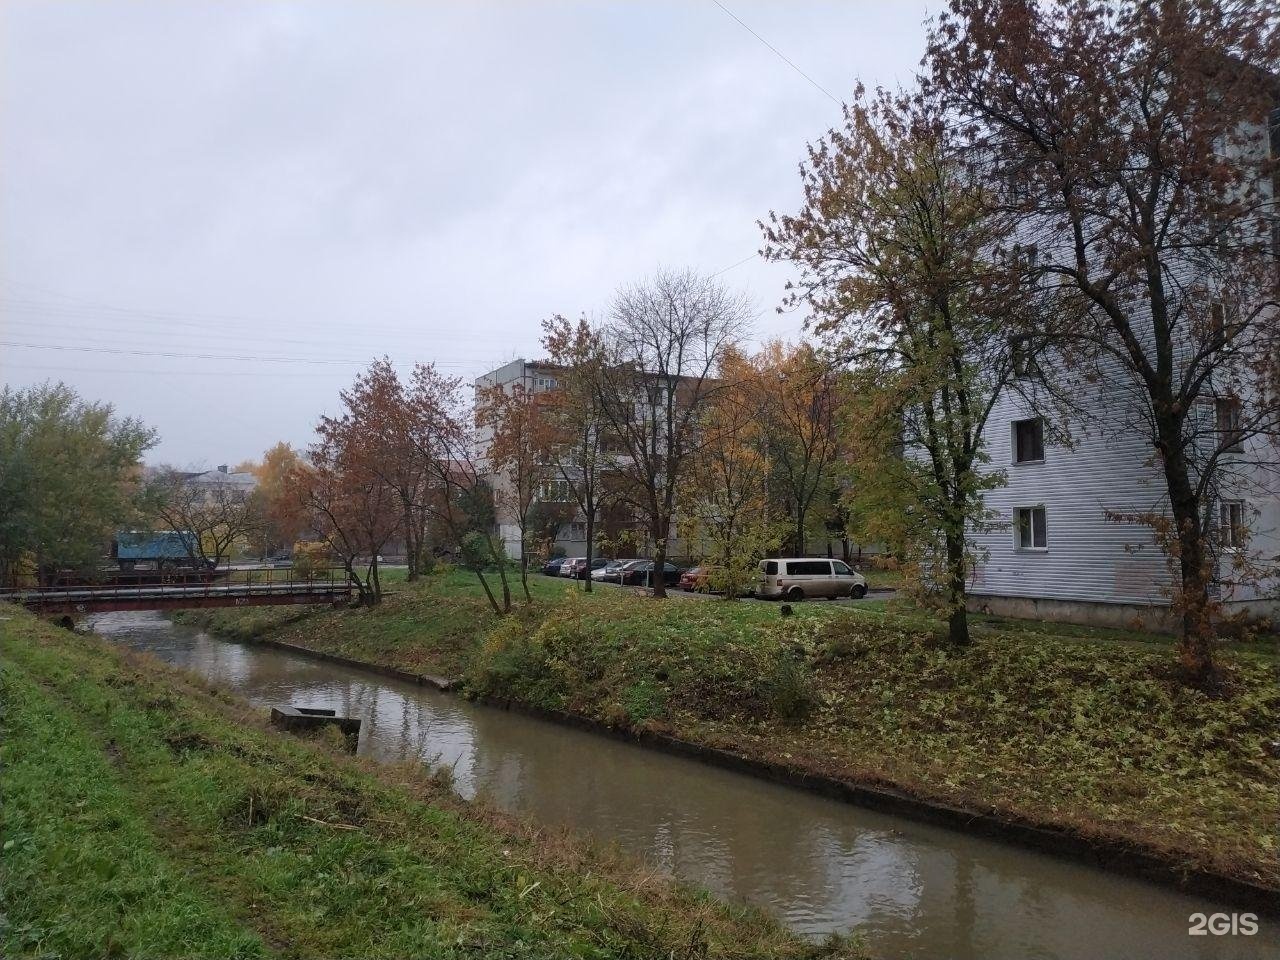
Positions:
(724, 504)
(796, 399)
(346, 502)
(518, 456)
(575, 434)
(389, 424)
(1129, 141)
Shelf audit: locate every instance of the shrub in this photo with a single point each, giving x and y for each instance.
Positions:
(788, 687)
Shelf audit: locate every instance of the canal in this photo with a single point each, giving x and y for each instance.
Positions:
(912, 890)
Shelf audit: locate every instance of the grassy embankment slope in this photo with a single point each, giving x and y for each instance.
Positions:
(1070, 727)
(145, 815)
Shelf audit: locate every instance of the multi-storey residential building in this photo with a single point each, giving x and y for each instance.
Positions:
(1065, 541)
(614, 522)
(533, 377)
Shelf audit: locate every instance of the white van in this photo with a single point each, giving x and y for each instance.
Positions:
(798, 577)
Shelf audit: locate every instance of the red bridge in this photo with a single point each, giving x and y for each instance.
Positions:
(239, 588)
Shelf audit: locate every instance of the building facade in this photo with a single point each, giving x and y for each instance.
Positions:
(1065, 541)
(622, 533)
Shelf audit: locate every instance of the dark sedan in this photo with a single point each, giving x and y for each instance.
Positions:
(642, 574)
(552, 567)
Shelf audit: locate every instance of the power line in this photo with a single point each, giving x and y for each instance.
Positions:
(273, 374)
(196, 356)
(172, 322)
(738, 264)
(780, 54)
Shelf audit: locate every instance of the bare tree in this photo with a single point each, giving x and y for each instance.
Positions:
(1130, 140)
(209, 510)
(661, 350)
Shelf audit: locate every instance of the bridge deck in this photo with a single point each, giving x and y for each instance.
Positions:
(178, 596)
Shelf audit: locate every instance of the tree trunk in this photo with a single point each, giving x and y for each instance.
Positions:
(502, 574)
(375, 583)
(657, 579)
(493, 601)
(524, 566)
(1192, 601)
(591, 533)
(957, 614)
(410, 547)
(799, 531)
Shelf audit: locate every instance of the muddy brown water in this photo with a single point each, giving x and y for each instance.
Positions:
(821, 866)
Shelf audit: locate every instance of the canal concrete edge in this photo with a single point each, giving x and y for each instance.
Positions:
(422, 679)
(1107, 854)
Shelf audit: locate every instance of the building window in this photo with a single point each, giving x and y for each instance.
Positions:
(1227, 414)
(554, 491)
(1231, 531)
(576, 530)
(1028, 440)
(1029, 529)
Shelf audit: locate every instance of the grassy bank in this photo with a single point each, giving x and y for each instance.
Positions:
(1074, 728)
(145, 815)
(433, 626)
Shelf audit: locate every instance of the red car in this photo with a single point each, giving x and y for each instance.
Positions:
(696, 579)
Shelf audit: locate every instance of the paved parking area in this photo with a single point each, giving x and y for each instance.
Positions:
(883, 593)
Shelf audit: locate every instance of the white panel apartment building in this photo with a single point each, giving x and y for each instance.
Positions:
(1056, 550)
(534, 378)
(537, 377)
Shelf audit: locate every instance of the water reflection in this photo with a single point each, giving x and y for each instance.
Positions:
(911, 889)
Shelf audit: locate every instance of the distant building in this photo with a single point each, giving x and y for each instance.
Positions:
(222, 479)
(614, 521)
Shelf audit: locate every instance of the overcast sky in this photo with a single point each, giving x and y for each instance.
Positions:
(190, 187)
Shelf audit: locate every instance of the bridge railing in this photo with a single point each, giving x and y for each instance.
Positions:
(324, 584)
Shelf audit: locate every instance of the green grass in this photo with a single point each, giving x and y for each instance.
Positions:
(878, 579)
(93, 878)
(1051, 723)
(903, 611)
(1074, 732)
(431, 627)
(145, 816)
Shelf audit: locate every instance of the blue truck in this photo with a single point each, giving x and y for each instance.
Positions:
(165, 550)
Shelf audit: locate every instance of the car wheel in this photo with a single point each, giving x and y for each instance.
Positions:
(794, 594)
(858, 591)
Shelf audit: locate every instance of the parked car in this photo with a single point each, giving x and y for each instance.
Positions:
(610, 570)
(614, 574)
(552, 567)
(696, 579)
(641, 574)
(577, 567)
(799, 577)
